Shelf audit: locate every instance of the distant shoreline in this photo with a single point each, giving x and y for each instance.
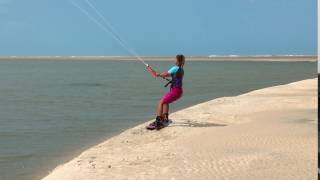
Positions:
(282, 58)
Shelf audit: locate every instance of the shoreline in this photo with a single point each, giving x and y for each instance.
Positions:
(271, 58)
(215, 139)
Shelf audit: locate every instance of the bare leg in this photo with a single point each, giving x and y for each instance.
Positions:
(160, 108)
(157, 124)
(165, 110)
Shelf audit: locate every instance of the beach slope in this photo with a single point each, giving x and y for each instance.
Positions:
(264, 134)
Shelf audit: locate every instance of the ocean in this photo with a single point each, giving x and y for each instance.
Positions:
(50, 110)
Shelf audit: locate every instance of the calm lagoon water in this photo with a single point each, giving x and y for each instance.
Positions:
(50, 111)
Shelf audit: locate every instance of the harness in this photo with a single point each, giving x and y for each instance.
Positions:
(169, 82)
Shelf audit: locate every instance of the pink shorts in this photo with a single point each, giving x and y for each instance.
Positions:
(173, 95)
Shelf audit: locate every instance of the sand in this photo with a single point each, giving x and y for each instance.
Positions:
(265, 134)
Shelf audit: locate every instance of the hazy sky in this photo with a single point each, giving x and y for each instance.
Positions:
(162, 27)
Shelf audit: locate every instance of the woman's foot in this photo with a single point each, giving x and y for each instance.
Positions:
(157, 124)
(165, 118)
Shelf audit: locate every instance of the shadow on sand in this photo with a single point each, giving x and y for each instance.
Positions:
(189, 123)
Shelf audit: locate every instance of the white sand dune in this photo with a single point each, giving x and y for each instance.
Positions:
(265, 134)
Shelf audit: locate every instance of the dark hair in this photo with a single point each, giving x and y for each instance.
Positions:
(180, 60)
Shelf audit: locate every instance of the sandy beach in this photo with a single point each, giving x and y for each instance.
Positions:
(269, 133)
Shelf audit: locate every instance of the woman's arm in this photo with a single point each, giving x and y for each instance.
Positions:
(156, 74)
(164, 74)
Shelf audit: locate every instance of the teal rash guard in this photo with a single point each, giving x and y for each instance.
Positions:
(177, 74)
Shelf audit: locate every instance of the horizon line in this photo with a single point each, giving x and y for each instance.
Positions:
(157, 56)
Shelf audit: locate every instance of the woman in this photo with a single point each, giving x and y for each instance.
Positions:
(176, 72)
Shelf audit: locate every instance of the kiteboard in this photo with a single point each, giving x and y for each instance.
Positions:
(152, 126)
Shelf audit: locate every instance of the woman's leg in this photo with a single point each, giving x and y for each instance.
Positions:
(165, 110)
(157, 124)
(160, 108)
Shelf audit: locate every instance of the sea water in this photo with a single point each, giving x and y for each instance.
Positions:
(50, 111)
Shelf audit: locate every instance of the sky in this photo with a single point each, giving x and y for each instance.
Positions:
(159, 27)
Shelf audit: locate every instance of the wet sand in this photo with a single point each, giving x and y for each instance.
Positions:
(264, 134)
